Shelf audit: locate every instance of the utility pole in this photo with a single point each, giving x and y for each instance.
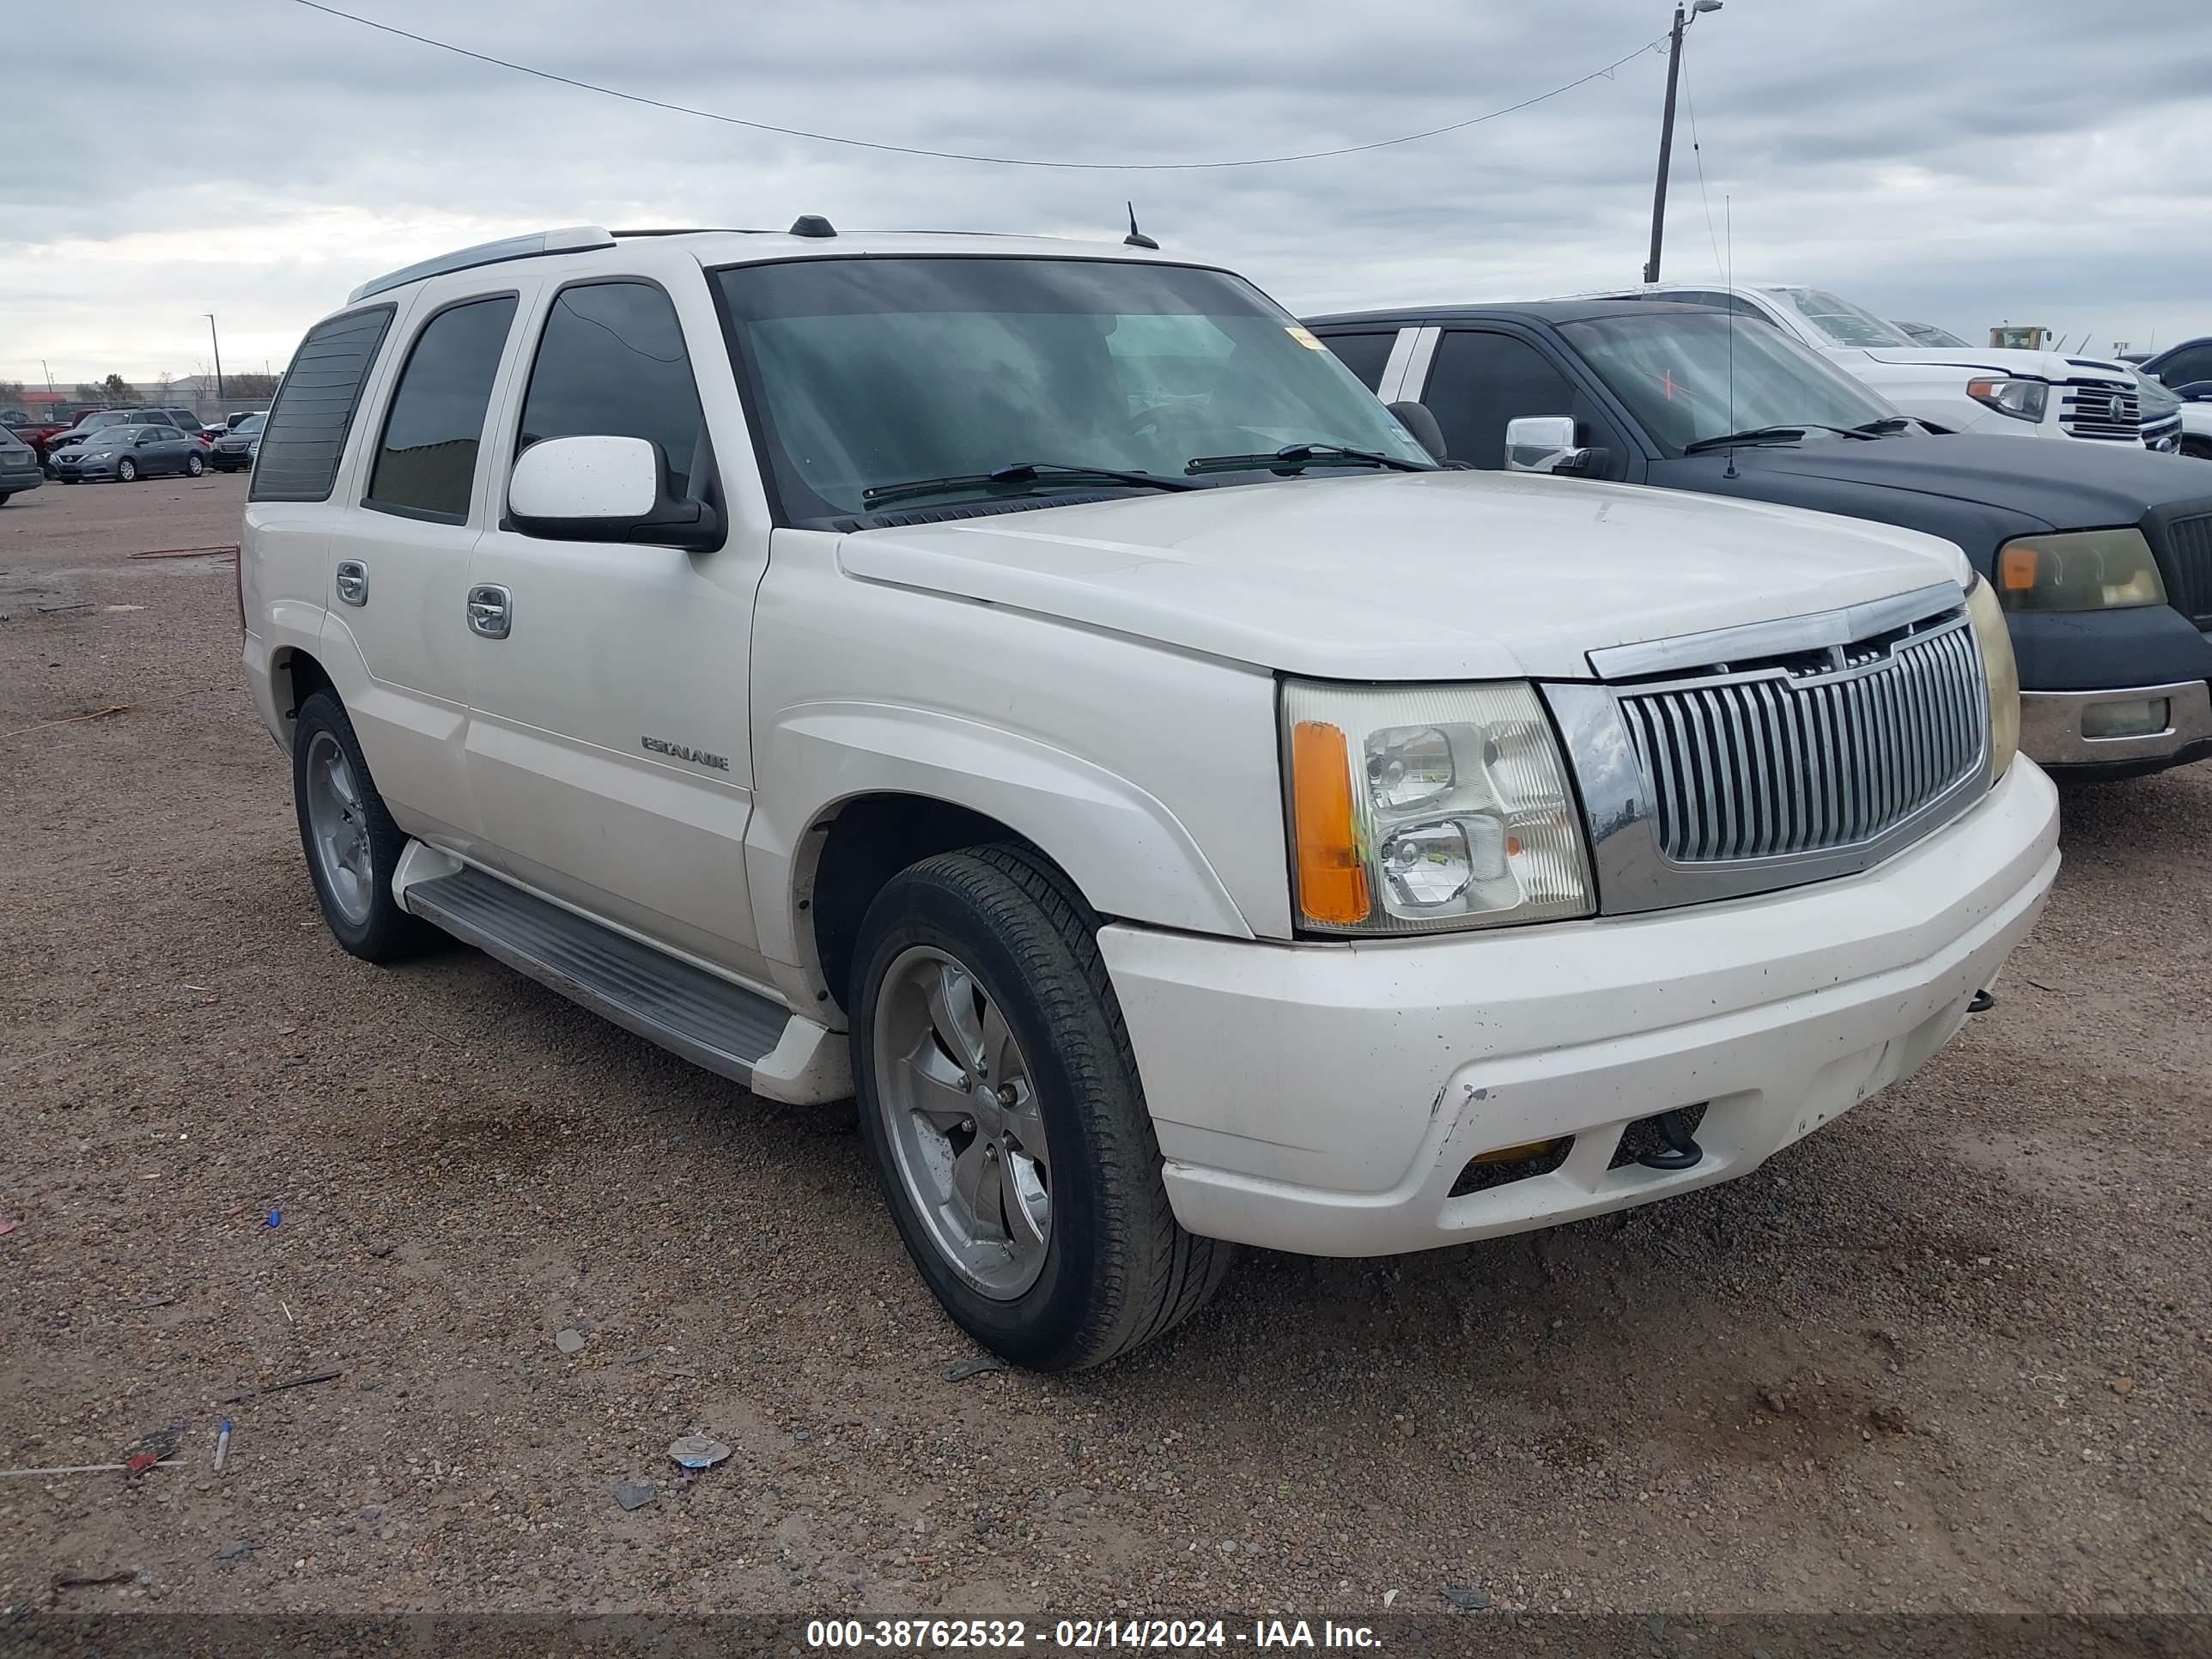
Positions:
(212, 337)
(1666, 128)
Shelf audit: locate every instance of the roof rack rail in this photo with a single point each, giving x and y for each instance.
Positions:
(573, 239)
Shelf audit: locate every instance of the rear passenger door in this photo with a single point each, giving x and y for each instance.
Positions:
(399, 612)
(609, 751)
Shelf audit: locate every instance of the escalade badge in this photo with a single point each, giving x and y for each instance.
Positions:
(685, 752)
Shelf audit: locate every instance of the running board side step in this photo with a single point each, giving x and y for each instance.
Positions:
(709, 1020)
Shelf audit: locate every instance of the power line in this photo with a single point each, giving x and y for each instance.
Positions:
(961, 155)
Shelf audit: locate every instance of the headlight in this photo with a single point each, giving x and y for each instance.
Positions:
(2000, 672)
(2024, 400)
(2083, 570)
(1426, 808)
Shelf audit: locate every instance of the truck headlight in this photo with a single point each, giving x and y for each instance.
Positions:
(2024, 400)
(1999, 672)
(1427, 808)
(2080, 570)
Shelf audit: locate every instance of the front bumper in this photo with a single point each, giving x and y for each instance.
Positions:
(1325, 1098)
(2051, 727)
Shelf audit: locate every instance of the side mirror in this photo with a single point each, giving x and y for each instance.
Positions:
(605, 489)
(1417, 420)
(1545, 443)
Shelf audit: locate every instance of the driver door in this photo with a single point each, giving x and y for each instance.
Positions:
(608, 754)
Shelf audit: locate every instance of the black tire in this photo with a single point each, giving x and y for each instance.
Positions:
(2200, 447)
(386, 933)
(6, 496)
(194, 466)
(126, 471)
(1118, 1270)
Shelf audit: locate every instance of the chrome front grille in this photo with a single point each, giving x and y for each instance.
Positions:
(2188, 568)
(1810, 755)
(2100, 408)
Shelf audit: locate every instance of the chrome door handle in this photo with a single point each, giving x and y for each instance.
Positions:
(353, 581)
(491, 610)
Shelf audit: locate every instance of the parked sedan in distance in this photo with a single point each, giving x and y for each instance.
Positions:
(19, 466)
(127, 453)
(94, 425)
(234, 451)
(2100, 555)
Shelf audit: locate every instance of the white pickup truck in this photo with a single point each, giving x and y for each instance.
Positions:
(1994, 390)
(1035, 689)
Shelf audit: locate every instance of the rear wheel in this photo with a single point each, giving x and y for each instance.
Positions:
(5, 497)
(352, 845)
(126, 471)
(195, 465)
(1001, 1105)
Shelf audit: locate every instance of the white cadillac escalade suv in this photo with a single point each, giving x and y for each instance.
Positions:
(1036, 689)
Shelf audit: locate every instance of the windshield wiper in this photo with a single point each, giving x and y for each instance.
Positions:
(1018, 472)
(1774, 434)
(1885, 426)
(1291, 457)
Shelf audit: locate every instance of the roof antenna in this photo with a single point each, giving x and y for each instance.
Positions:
(1137, 237)
(1728, 223)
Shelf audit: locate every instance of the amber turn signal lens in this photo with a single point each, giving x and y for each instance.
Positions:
(2016, 569)
(1332, 877)
(1516, 1154)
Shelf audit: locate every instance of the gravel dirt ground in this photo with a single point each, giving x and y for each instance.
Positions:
(1952, 1353)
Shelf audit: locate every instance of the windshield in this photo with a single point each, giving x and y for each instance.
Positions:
(1846, 324)
(1672, 370)
(877, 372)
(113, 417)
(112, 435)
(248, 426)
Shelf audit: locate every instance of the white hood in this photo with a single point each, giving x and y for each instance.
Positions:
(2052, 365)
(1410, 576)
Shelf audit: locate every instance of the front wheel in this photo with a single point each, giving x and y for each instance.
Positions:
(2200, 447)
(6, 496)
(195, 465)
(1003, 1111)
(126, 471)
(352, 845)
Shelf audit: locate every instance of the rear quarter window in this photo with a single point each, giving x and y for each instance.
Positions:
(1365, 355)
(306, 430)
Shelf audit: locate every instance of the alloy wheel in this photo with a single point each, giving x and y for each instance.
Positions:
(961, 1114)
(337, 826)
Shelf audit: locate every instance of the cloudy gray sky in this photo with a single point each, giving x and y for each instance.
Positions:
(1957, 161)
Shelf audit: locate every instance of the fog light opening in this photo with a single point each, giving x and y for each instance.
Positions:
(1506, 1164)
(2141, 717)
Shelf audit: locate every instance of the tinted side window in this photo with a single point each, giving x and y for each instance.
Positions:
(1365, 355)
(611, 363)
(427, 463)
(307, 428)
(1480, 382)
(2187, 368)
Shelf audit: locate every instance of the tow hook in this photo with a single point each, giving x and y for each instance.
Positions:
(1982, 1004)
(1683, 1151)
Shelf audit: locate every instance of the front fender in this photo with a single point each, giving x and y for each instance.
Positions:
(1126, 852)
